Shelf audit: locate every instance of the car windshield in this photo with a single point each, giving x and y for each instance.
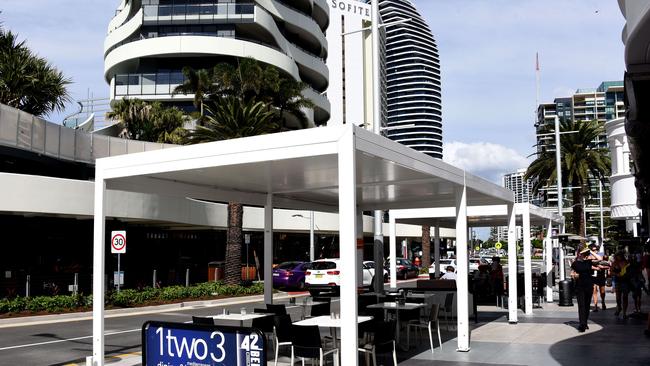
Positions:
(369, 264)
(323, 265)
(287, 265)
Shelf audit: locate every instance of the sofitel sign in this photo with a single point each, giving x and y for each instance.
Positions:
(352, 7)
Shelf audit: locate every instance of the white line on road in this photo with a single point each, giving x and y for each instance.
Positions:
(67, 340)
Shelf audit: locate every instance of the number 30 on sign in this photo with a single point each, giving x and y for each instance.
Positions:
(118, 242)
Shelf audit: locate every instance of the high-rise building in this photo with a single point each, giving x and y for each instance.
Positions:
(523, 188)
(413, 79)
(603, 104)
(150, 41)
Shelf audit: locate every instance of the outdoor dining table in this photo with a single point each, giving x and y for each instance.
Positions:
(241, 318)
(397, 307)
(326, 321)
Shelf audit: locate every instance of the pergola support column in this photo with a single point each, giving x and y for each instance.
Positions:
(436, 249)
(548, 245)
(99, 235)
(393, 251)
(462, 303)
(268, 249)
(512, 264)
(348, 248)
(528, 272)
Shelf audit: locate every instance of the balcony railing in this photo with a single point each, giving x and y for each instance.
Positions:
(147, 84)
(205, 11)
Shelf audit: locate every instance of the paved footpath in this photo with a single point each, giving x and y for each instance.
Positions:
(548, 337)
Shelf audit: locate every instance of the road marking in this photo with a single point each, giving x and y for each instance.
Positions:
(67, 340)
(121, 357)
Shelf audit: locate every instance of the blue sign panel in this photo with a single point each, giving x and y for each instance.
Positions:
(181, 344)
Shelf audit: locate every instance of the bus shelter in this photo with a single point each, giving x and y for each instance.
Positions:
(343, 169)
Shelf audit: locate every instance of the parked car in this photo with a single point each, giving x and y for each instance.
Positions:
(325, 276)
(405, 268)
(444, 263)
(290, 275)
(475, 263)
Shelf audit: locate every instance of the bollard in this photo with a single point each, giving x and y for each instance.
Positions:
(27, 285)
(187, 277)
(153, 285)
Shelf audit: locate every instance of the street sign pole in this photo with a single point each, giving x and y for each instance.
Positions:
(118, 272)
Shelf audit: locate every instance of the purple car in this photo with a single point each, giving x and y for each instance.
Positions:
(290, 275)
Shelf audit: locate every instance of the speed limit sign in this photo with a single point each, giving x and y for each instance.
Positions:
(118, 242)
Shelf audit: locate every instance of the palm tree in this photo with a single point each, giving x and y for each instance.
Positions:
(199, 82)
(231, 118)
(29, 82)
(426, 246)
(151, 122)
(581, 161)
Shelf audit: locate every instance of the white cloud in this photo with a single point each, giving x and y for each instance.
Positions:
(484, 159)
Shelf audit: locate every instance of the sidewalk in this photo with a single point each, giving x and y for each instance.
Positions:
(548, 337)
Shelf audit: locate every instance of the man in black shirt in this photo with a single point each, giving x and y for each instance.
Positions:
(583, 269)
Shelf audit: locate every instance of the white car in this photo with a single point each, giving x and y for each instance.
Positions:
(474, 263)
(444, 263)
(325, 276)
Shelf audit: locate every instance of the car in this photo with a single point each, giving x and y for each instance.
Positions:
(290, 275)
(405, 268)
(325, 276)
(474, 263)
(444, 263)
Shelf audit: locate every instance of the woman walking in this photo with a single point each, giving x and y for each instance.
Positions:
(620, 272)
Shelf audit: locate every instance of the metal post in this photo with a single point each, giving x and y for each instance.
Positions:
(436, 248)
(528, 272)
(76, 284)
(154, 280)
(392, 252)
(98, 267)
(187, 277)
(312, 252)
(268, 249)
(28, 283)
(560, 202)
(548, 246)
(118, 273)
(376, 128)
(512, 264)
(602, 226)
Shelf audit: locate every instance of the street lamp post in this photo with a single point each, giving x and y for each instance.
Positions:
(311, 234)
(558, 168)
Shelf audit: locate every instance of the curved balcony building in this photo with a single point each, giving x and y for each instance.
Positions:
(150, 41)
(413, 79)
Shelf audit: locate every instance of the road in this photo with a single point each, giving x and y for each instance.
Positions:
(71, 341)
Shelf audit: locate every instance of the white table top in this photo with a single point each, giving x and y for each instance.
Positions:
(326, 321)
(307, 303)
(420, 296)
(240, 317)
(394, 305)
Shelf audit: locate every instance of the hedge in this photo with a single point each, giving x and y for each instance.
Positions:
(127, 297)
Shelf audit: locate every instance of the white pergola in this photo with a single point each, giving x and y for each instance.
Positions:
(342, 169)
(510, 215)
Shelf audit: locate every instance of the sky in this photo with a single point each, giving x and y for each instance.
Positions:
(487, 54)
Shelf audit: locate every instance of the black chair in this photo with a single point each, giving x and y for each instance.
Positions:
(261, 311)
(283, 333)
(320, 310)
(431, 322)
(383, 342)
(307, 345)
(322, 299)
(265, 324)
(205, 320)
(277, 309)
(448, 307)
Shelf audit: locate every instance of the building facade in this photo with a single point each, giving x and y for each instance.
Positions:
(414, 102)
(604, 103)
(150, 41)
(523, 188)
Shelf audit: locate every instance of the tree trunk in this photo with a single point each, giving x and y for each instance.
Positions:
(426, 246)
(234, 243)
(578, 218)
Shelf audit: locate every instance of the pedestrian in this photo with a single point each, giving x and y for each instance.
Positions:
(620, 273)
(599, 278)
(637, 282)
(450, 275)
(581, 272)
